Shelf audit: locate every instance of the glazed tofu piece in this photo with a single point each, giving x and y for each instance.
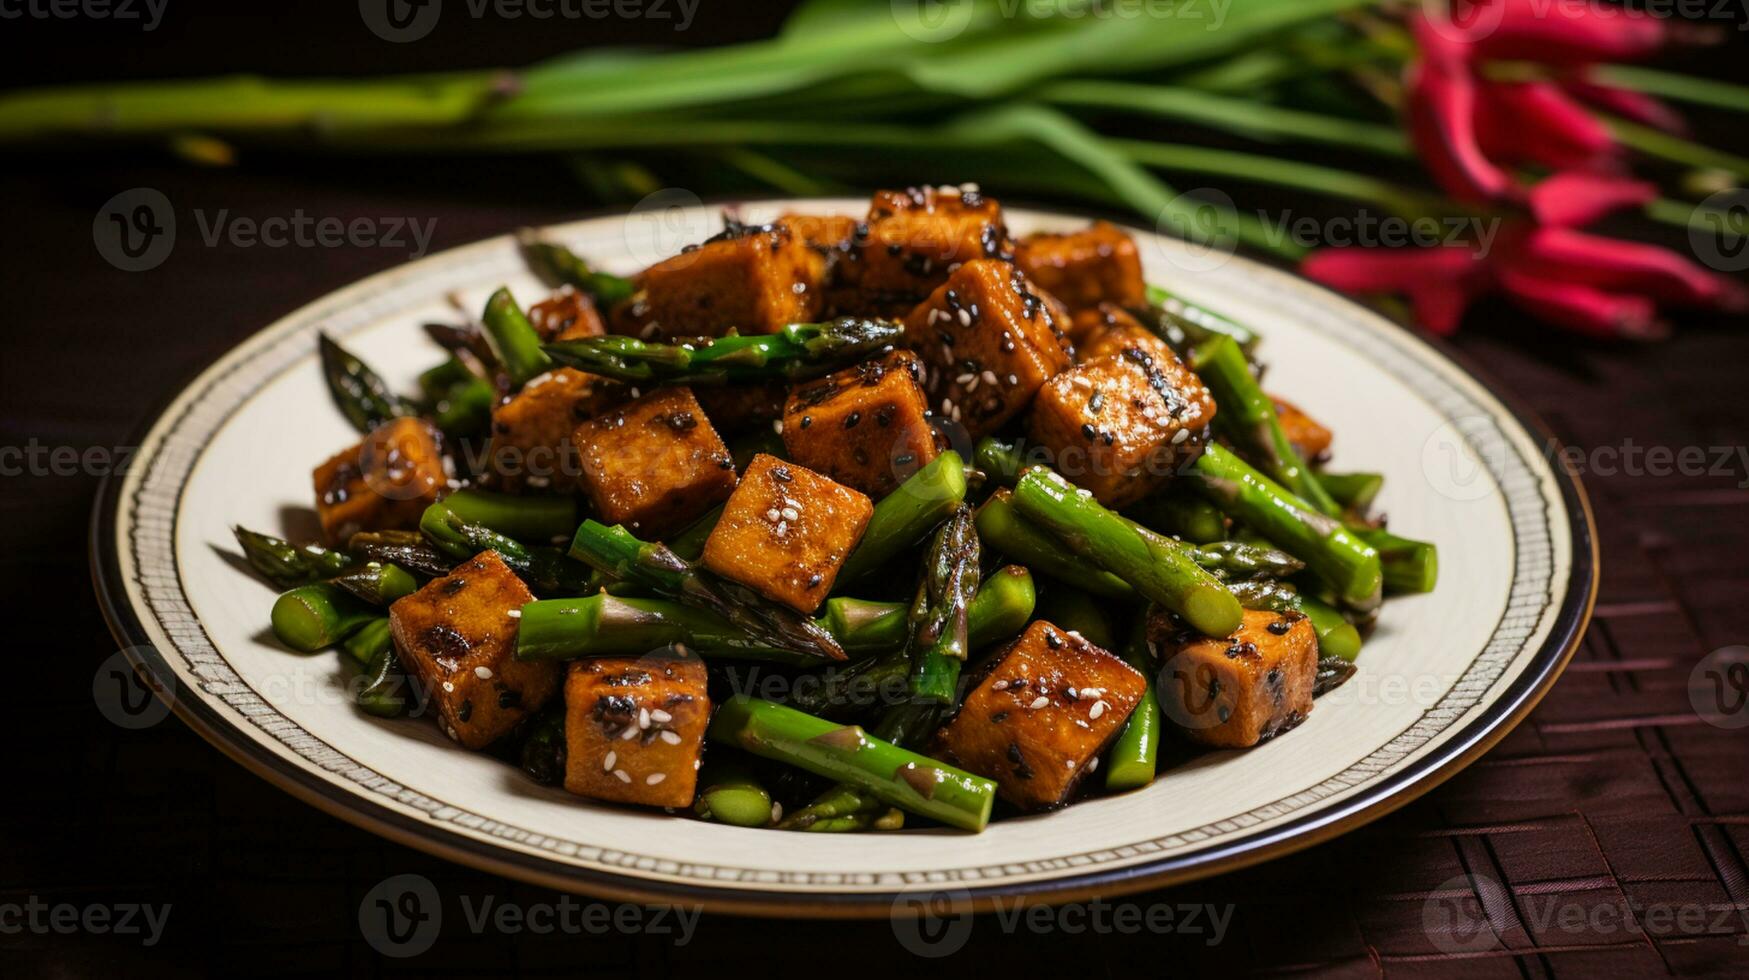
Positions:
(634, 728)
(828, 234)
(384, 483)
(989, 343)
(1085, 268)
(1236, 691)
(1043, 710)
(457, 636)
(917, 237)
(1307, 434)
(654, 464)
(786, 531)
(866, 427)
(751, 280)
(1106, 330)
(1120, 426)
(568, 314)
(531, 430)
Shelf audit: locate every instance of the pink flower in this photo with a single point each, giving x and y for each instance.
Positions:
(1593, 285)
(1559, 32)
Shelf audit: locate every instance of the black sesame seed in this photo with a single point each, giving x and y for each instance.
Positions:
(1087, 431)
(851, 420)
(807, 420)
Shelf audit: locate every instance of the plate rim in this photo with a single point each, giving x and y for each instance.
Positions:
(1491, 725)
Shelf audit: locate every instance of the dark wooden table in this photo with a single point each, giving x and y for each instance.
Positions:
(1615, 822)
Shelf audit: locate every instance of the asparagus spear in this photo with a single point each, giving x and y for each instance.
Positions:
(384, 693)
(617, 553)
(1134, 754)
(1077, 611)
(939, 644)
(286, 564)
(1181, 515)
(1183, 324)
(1247, 416)
(368, 641)
(1355, 491)
(1244, 560)
(542, 520)
(844, 808)
(900, 777)
(885, 679)
(408, 549)
(546, 570)
(799, 350)
(1337, 637)
(1158, 568)
(1002, 608)
(377, 583)
(557, 266)
(1000, 460)
(1349, 564)
(514, 339)
(1332, 673)
(905, 516)
(318, 615)
(362, 395)
(1002, 527)
(542, 753)
(1409, 565)
(465, 408)
(729, 793)
(689, 544)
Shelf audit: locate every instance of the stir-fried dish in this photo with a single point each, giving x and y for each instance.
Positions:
(840, 523)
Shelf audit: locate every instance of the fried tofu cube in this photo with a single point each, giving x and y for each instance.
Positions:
(917, 237)
(866, 426)
(989, 342)
(1120, 426)
(1099, 264)
(1306, 434)
(1234, 692)
(634, 728)
(457, 637)
(568, 314)
(384, 483)
(1041, 713)
(1106, 330)
(654, 464)
(531, 430)
(828, 234)
(756, 280)
(786, 531)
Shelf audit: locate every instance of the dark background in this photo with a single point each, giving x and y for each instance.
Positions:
(1613, 793)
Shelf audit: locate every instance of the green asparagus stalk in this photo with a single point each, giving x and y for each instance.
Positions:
(1131, 761)
(408, 549)
(557, 266)
(1349, 564)
(514, 339)
(905, 517)
(435, 381)
(547, 571)
(378, 584)
(1002, 608)
(1337, 637)
(1331, 674)
(1077, 611)
(689, 544)
(843, 809)
(543, 749)
(1409, 565)
(1184, 324)
(286, 564)
(370, 639)
(1355, 491)
(1244, 560)
(729, 793)
(465, 408)
(607, 625)
(1181, 515)
(384, 693)
(939, 644)
(539, 520)
(1266, 594)
(846, 753)
(362, 395)
(799, 350)
(319, 615)
(1001, 526)
(1000, 460)
(616, 552)
(1158, 568)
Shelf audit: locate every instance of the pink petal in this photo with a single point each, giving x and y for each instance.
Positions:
(1574, 198)
(1537, 121)
(1659, 274)
(1562, 31)
(1441, 109)
(1584, 309)
(1634, 106)
(1440, 282)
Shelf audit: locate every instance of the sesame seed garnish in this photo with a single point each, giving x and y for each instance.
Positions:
(514, 614)
(654, 778)
(989, 376)
(448, 688)
(669, 736)
(777, 426)
(771, 515)
(658, 715)
(643, 717)
(631, 732)
(1039, 702)
(622, 775)
(1180, 436)
(608, 763)
(483, 673)
(1091, 766)
(776, 811)
(1097, 710)
(965, 318)
(790, 513)
(999, 686)
(964, 379)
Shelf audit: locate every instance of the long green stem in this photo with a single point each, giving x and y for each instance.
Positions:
(1683, 88)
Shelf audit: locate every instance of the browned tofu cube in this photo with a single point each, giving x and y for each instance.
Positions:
(786, 531)
(654, 464)
(568, 314)
(917, 237)
(756, 280)
(457, 637)
(1106, 330)
(827, 234)
(1307, 434)
(1121, 426)
(1236, 691)
(1043, 710)
(989, 343)
(383, 483)
(736, 408)
(866, 427)
(531, 430)
(1085, 268)
(634, 728)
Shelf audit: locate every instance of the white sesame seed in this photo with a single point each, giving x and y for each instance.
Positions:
(946, 405)
(1072, 693)
(771, 515)
(671, 737)
(964, 378)
(1068, 763)
(999, 686)
(635, 391)
(643, 717)
(781, 527)
(776, 811)
(655, 778)
(630, 733)
(989, 376)
(696, 763)
(1039, 702)
(1093, 692)
(622, 775)
(971, 386)
(1180, 436)
(483, 673)
(1097, 710)
(790, 513)
(1094, 764)
(777, 426)
(658, 715)
(965, 318)
(448, 688)
(514, 613)
(607, 763)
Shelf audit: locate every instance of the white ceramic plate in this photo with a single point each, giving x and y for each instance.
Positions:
(1444, 676)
